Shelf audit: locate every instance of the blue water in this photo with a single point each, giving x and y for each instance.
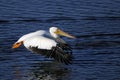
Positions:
(96, 51)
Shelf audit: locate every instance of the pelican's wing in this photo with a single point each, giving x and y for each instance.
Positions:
(49, 48)
(61, 54)
(40, 42)
(32, 34)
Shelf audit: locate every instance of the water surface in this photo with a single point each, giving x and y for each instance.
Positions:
(96, 24)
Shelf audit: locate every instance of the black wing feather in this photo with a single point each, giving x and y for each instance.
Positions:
(61, 53)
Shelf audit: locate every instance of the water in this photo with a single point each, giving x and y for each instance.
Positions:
(96, 49)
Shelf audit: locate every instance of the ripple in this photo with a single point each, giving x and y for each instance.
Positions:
(4, 21)
(98, 44)
(60, 19)
(101, 18)
(107, 34)
(31, 19)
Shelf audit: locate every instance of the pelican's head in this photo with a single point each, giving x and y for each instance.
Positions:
(54, 31)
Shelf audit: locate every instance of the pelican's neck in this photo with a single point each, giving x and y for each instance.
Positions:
(56, 37)
(53, 34)
(59, 40)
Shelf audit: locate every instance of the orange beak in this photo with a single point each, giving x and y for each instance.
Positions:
(17, 45)
(60, 32)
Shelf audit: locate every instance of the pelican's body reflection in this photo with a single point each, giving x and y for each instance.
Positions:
(41, 70)
(50, 71)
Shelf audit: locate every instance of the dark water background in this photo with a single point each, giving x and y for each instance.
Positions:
(95, 23)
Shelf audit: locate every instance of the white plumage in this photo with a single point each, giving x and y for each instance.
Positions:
(47, 44)
(40, 42)
(32, 34)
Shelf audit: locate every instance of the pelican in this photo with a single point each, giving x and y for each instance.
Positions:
(48, 44)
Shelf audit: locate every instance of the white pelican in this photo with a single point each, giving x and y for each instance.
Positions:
(48, 44)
